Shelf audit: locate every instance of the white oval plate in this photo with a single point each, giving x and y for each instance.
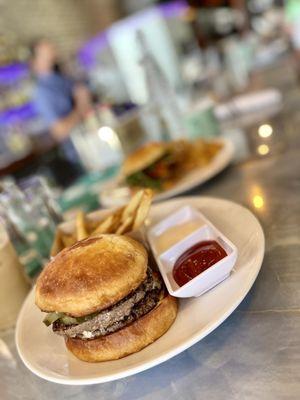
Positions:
(112, 195)
(45, 354)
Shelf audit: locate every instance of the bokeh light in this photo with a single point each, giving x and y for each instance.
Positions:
(258, 201)
(265, 131)
(263, 149)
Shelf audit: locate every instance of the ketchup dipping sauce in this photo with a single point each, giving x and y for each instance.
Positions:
(197, 259)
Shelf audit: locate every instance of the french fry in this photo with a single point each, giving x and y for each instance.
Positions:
(117, 219)
(68, 240)
(91, 225)
(110, 224)
(81, 232)
(57, 245)
(105, 226)
(132, 206)
(143, 209)
(128, 213)
(125, 226)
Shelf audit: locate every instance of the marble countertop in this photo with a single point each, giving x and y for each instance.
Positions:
(255, 353)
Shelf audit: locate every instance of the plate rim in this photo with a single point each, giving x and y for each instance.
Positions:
(143, 366)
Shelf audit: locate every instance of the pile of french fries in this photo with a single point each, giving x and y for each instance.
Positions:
(121, 221)
(200, 153)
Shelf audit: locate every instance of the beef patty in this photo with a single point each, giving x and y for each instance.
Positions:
(132, 307)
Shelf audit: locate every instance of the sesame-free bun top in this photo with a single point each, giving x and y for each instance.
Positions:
(91, 275)
(143, 157)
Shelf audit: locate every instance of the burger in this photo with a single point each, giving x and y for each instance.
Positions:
(159, 165)
(104, 299)
(156, 165)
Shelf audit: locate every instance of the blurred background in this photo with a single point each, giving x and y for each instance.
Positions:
(84, 83)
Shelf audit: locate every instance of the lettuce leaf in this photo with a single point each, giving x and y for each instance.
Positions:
(141, 179)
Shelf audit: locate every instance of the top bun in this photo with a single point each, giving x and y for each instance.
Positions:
(143, 157)
(91, 275)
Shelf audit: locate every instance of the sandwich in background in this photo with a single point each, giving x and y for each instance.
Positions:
(159, 165)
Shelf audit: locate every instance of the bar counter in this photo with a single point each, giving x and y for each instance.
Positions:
(255, 353)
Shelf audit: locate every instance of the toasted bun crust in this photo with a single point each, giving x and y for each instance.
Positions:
(130, 339)
(143, 157)
(91, 275)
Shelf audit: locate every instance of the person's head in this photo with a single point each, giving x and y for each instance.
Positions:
(43, 56)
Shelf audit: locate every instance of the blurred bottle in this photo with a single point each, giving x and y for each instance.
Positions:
(30, 220)
(97, 141)
(28, 257)
(17, 142)
(238, 62)
(161, 96)
(37, 187)
(30, 223)
(13, 285)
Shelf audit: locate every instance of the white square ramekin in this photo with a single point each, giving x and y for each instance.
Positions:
(166, 260)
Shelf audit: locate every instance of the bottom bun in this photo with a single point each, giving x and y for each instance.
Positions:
(130, 339)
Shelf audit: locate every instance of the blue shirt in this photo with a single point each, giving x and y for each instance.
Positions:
(53, 100)
(53, 97)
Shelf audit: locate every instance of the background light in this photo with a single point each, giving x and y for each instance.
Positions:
(109, 136)
(265, 130)
(106, 133)
(263, 149)
(257, 198)
(258, 201)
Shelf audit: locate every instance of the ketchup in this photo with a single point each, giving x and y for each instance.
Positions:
(197, 259)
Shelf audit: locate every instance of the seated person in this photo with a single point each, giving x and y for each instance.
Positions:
(59, 100)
